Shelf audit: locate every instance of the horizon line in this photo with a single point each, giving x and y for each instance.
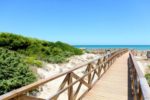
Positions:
(110, 44)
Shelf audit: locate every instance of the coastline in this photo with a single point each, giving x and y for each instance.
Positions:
(137, 47)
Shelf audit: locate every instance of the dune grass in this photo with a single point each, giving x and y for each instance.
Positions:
(18, 53)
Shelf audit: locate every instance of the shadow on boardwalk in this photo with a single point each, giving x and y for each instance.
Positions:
(130, 97)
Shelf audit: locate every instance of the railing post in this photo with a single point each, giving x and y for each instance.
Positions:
(89, 76)
(70, 89)
(105, 64)
(99, 68)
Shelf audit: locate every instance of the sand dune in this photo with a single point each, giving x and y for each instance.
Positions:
(48, 70)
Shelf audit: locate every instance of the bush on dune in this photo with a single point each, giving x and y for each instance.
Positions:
(33, 61)
(148, 78)
(17, 53)
(14, 71)
(42, 50)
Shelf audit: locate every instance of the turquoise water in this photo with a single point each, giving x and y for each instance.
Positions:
(138, 47)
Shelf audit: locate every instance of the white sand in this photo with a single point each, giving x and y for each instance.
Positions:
(142, 66)
(142, 63)
(51, 88)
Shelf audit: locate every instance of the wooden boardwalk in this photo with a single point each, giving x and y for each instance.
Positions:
(114, 84)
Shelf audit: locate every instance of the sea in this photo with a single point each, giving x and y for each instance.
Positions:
(137, 47)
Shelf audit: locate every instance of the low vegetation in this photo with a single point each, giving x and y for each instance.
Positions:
(38, 49)
(14, 72)
(147, 75)
(148, 78)
(18, 53)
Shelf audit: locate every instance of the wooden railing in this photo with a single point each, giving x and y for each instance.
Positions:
(139, 85)
(72, 82)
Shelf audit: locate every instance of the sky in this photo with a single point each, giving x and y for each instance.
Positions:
(79, 22)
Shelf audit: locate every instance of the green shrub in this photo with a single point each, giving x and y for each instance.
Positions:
(33, 61)
(148, 66)
(56, 59)
(18, 52)
(38, 63)
(56, 51)
(67, 54)
(41, 50)
(148, 78)
(14, 73)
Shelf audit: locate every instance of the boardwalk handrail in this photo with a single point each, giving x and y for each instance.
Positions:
(139, 84)
(91, 72)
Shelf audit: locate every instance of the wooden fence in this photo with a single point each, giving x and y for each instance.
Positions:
(139, 85)
(94, 70)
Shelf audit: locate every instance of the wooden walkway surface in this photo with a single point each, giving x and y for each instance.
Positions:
(114, 83)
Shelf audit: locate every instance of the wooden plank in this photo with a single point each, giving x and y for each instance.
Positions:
(77, 91)
(114, 83)
(25, 97)
(82, 80)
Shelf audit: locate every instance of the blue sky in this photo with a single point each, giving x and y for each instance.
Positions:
(78, 21)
